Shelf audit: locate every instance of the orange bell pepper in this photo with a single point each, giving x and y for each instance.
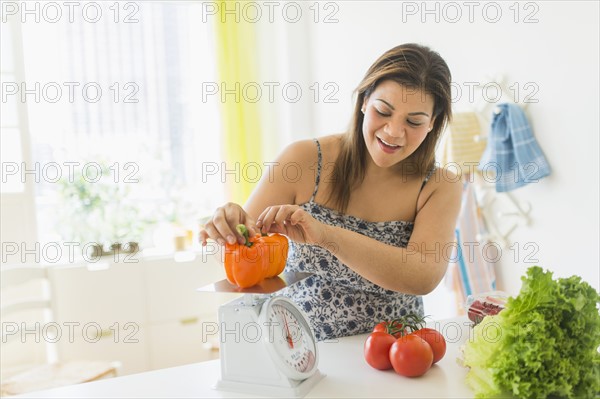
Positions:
(258, 258)
(277, 245)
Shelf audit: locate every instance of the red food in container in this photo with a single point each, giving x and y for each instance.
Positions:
(485, 304)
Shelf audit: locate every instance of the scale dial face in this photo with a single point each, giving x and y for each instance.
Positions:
(289, 338)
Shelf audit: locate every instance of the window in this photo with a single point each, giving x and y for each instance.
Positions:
(119, 129)
(17, 227)
(10, 139)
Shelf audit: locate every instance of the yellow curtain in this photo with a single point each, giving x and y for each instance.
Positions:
(238, 79)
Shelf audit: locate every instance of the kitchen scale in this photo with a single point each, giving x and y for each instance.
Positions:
(267, 346)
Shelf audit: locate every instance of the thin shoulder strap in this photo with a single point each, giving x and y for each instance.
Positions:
(318, 177)
(427, 177)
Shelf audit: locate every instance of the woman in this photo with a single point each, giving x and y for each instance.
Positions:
(371, 216)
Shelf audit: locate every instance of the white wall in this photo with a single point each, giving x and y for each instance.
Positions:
(558, 54)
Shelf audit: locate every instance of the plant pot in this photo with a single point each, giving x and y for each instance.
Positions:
(116, 247)
(131, 247)
(96, 251)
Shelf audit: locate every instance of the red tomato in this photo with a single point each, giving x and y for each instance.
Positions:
(411, 356)
(436, 340)
(393, 327)
(377, 350)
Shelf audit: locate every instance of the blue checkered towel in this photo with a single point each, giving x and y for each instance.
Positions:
(512, 152)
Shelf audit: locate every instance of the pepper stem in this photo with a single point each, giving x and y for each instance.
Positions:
(243, 230)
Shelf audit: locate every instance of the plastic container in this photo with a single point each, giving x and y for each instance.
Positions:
(485, 304)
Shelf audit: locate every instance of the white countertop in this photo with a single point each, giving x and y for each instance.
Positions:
(346, 375)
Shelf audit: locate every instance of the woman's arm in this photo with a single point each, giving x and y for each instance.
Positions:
(416, 269)
(288, 179)
(282, 182)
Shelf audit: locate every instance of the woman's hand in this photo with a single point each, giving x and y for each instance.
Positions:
(294, 222)
(221, 227)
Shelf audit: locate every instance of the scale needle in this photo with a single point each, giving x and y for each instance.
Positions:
(288, 336)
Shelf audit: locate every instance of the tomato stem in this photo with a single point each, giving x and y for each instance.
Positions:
(406, 324)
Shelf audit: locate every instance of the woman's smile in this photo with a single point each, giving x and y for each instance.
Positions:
(386, 147)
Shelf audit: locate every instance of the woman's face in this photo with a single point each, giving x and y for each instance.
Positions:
(397, 120)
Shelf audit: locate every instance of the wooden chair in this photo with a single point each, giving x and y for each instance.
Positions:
(29, 360)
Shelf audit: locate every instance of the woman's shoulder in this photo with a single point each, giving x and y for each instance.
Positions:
(443, 176)
(444, 181)
(306, 151)
(443, 184)
(299, 165)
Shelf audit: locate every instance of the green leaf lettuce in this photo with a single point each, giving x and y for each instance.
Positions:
(544, 343)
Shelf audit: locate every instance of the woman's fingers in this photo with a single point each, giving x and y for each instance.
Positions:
(222, 222)
(251, 226)
(211, 232)
(274, 218)
(298, 218)
(222, 227)
(203, 236)
(312, 229)
(290, 220)
(225, 221)
(282, 215)
(267, 218)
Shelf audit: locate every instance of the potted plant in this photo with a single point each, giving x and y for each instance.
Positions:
(100, 212)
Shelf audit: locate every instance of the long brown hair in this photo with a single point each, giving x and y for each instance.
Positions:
(411, 65)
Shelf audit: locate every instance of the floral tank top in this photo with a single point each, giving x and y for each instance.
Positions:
(338, 301)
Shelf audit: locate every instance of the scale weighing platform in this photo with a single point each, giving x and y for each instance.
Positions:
(267, 346)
